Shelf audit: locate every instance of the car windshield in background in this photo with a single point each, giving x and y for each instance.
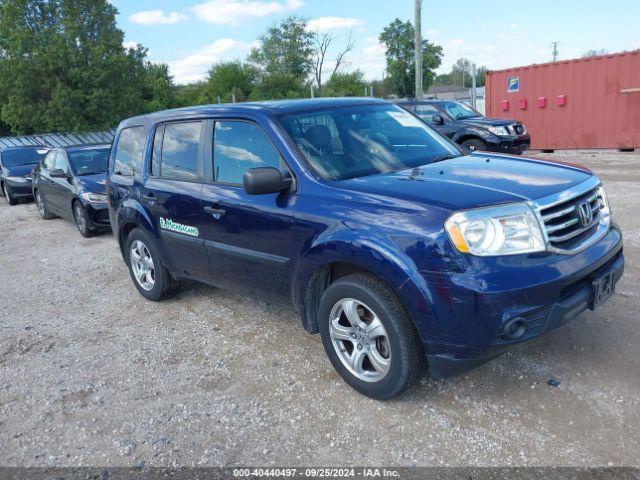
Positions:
(89, 162)
(17, 158)
(350, 142)
(458, 111)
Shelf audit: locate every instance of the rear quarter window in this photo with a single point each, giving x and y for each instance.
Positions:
(129, 151)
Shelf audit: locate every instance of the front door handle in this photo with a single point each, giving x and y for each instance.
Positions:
(216, 213)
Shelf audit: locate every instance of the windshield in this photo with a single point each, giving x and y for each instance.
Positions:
(356, 141)
(17, 158)
(458, 111)
(89, 162)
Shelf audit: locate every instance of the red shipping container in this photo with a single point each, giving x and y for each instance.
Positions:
(523, 103)
(601, 101)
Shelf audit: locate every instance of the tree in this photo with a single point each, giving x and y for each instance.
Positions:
(278, 86)
(594, 53)
(191, 94)
(285, 49)
(63, 66)
(322, 43)
(158, 91)
(351, 84)
(461, 74)
(228, 80)
(398, 38)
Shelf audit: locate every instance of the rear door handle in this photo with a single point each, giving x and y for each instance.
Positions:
(216, 213)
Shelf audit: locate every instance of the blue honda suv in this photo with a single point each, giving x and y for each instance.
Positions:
(395, 246)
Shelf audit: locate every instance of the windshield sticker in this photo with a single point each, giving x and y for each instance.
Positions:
(405, 119)
(169, 224)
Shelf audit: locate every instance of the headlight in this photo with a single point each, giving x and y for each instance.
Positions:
(605, 207)
(500, 131)
(95, 197)
(505, 230)
(18, 179)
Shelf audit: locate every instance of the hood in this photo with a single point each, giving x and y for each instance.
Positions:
(487, 122)
(20, 170)
(95, 183)
(473, 181)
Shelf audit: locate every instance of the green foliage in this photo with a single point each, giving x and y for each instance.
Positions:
(594, 53)
(229, 79)
(398, 37)
(350, 84)
(188, 95)
(285, 49)
(279, 86)
(461, 74)
(63, 67)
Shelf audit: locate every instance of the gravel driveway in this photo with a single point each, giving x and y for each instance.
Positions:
(92, 374)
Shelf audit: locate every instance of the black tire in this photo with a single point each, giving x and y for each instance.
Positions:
(6, 191)
(43, 210)
(164, 284)
(474, 144)
(406, 358)
(82, 220)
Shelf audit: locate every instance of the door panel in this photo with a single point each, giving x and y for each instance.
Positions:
(248, 239)
(176, 209)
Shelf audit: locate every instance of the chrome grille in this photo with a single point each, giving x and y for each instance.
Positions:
(574, 220)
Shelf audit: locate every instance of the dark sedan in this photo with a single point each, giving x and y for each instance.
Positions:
(70, 182)
(16, 167)
(469, 128)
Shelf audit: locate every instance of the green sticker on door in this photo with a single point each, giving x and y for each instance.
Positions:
(168, 224)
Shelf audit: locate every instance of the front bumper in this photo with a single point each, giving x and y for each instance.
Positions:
(543, 291)
(98, 216)
(20, 189)
(510, 144)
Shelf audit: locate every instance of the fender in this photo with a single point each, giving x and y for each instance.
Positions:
(481, 133)
(131, 212)
(377, 255)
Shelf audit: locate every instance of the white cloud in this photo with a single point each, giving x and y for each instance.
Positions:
(194, 67)
(332, 23)
(128, 45)
(234, 12)
(157, 17)
(372, 61)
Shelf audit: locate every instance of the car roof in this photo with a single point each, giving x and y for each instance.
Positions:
(276, 107)
(425, 100)
(24, 147)
(79, 148)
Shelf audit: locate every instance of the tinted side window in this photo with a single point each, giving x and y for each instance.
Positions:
(238, 146)
(426, 112)
(60, 162)
(49, 161)
(180, 147)
(129, 152)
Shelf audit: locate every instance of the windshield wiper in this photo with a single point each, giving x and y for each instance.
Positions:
(442, 158)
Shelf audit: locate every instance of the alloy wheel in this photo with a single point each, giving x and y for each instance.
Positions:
(142, 265)
(360, 340)
(40, 203)
(80, 218)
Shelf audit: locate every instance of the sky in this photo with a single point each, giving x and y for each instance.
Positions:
(192, 35)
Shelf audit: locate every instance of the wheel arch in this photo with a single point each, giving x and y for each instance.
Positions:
(317, 270)
(129, 216)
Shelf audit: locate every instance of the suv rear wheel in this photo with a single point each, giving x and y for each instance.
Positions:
(149, 275)
(368, 336)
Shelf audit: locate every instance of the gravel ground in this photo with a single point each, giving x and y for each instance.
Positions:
(92, 374)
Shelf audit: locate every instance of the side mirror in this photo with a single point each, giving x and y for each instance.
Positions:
(438, 119)
(58, 173)
(263, 180)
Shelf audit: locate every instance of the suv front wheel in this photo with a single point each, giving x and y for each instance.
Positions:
(149, 275)
(368, 336)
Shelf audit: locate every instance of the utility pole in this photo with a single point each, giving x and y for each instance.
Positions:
(418, 47)
(474, 97)
(555, 50)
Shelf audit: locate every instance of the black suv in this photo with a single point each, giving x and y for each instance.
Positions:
(469, 128)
